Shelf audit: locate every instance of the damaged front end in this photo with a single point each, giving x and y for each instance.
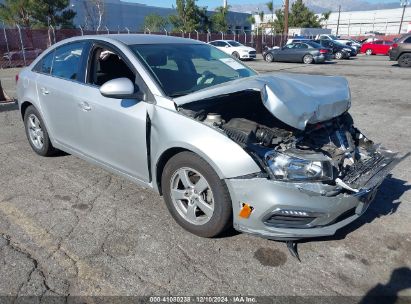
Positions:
(317, 174)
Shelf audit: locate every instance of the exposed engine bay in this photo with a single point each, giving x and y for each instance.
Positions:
(332, 152)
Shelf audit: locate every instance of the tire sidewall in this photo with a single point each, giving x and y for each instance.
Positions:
(222, 215)
(47, 148)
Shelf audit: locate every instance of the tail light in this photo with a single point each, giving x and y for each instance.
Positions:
(17, 78)
(322, 51)
(394, 45)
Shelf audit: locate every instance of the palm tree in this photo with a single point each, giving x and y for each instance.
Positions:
(270, 6)
(325, 16)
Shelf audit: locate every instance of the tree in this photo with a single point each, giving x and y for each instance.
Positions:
(261, 15)
(17, 12)
(270, 7)
(279, 21)
(52, 12)
(325, 16)
(219, 20)
(188, 16)
(155, 22)
(301, 16)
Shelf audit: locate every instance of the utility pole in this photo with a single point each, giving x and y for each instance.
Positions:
(404, 4)
(286, 7)
(338, 22)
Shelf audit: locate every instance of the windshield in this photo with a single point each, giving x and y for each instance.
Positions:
(234, 43)
(181, 69)
(333, 37)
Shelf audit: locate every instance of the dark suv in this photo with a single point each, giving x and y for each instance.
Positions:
(401, 51)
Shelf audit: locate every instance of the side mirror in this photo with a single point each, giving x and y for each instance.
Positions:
(227, 46)
(119, 88)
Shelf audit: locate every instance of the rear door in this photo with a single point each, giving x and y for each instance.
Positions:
(58, 81)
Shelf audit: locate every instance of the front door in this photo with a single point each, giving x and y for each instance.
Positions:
(114, 129)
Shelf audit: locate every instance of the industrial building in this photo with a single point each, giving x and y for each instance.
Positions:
(122, 15)
(357, 23)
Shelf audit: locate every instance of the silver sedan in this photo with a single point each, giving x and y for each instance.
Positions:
(275, 155)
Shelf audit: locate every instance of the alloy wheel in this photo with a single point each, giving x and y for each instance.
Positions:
(36, 133)
(368, 52)
(269, 58)
(192, 196)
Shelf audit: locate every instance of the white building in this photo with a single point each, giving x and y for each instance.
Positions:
(357, 23)
(360, 22)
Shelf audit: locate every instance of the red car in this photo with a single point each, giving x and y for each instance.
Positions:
(377, 47)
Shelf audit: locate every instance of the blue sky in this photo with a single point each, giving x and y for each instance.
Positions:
(214, 3)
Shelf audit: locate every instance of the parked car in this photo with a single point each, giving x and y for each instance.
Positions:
(306, 52)
(377, 47)
(339, 50)
(401, 51)
(235, 49)
(29, 53)
(349, 42)
(272, 155)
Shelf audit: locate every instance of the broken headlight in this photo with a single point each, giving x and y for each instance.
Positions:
(291, 168)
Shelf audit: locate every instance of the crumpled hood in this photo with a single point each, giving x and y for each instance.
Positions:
(295, 99)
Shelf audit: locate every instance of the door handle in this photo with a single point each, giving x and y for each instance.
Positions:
(44, 91)
(85, 106)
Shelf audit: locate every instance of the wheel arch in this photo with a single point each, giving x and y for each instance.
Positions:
(23, 107)
(168, 154)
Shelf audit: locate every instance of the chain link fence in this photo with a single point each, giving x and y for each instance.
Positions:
(20, 46)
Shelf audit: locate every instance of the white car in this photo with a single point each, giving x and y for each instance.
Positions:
(235, 49)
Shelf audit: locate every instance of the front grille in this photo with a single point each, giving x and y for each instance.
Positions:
(362, 171)
(252, 52)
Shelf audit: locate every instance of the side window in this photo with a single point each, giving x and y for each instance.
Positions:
(378, 42)
(45, 64)
(67, 61)
(106, 65)
(408, 40)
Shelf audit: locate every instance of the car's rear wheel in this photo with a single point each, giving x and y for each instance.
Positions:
(236, 55)
(196, 197)
(339, 55)
(405, 60)
(368, 52)
(308, 59)
(36, 132)
(269, 57)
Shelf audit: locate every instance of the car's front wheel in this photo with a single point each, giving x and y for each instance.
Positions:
(368, 52)
(36, 132)
(405, 60)
(196, 197)
(269, 57)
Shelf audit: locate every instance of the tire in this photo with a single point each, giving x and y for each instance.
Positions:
(339, 55)
(179, 197)
(404, 60)
(236, 55)
(368, 52)
(269, 57)
(36, 133)
(308, 59)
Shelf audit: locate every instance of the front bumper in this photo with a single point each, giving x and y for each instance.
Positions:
(328, 207)
(248, 56)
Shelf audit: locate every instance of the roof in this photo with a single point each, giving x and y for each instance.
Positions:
(130, 39)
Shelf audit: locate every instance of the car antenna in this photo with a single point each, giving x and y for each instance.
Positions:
(292, 248)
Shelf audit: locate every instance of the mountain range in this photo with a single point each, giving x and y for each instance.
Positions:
(319, 6)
